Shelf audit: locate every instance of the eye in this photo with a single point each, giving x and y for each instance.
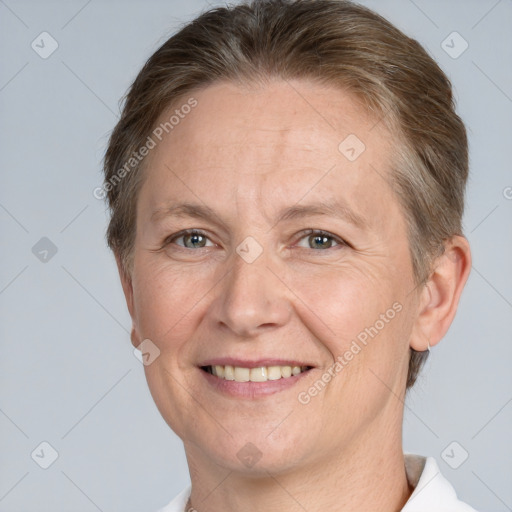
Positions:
(192, 239)
(318, 239)
(315, 238)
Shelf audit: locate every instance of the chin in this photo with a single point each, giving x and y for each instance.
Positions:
(255, 453)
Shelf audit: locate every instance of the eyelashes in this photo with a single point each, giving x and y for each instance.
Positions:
(310, 235)
(183, 234)
(323, 235)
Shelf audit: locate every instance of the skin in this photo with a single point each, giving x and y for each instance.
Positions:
(247, 153)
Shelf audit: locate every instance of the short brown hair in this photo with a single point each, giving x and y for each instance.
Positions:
(328, 41)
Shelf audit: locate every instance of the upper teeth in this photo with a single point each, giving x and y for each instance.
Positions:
(260, 374)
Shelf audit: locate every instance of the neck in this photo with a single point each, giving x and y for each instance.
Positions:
(368, 475)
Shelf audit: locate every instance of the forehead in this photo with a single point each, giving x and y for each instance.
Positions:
(293, 116)
(271, 144)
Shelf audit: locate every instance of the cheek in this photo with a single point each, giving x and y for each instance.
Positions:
(359, 316)
(346, 299)
(167, 300)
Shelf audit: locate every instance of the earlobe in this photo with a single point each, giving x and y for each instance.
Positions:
(441, 293)
(134, 337)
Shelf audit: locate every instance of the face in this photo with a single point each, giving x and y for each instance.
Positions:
(298, 262)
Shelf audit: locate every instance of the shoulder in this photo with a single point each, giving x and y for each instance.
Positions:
(432, 491)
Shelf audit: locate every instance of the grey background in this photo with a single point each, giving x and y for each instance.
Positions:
(68, 375)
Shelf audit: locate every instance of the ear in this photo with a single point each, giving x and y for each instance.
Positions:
(126, 282)
(439, 297)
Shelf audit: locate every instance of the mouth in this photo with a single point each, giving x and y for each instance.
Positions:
(254, 374)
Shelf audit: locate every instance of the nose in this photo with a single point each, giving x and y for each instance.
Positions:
(251, 299)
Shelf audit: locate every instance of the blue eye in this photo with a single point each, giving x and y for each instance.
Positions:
(193, 239)
(318, 239)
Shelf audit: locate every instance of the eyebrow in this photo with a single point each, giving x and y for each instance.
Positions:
(334, 208)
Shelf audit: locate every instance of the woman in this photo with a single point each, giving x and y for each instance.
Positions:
(286, 186)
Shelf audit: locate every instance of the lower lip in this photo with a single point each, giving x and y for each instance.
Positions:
(251, 390)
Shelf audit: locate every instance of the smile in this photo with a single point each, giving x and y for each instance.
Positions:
(258, 374)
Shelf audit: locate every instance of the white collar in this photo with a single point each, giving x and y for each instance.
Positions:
(431, 489)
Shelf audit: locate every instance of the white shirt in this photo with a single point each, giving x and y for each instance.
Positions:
(432, 492)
